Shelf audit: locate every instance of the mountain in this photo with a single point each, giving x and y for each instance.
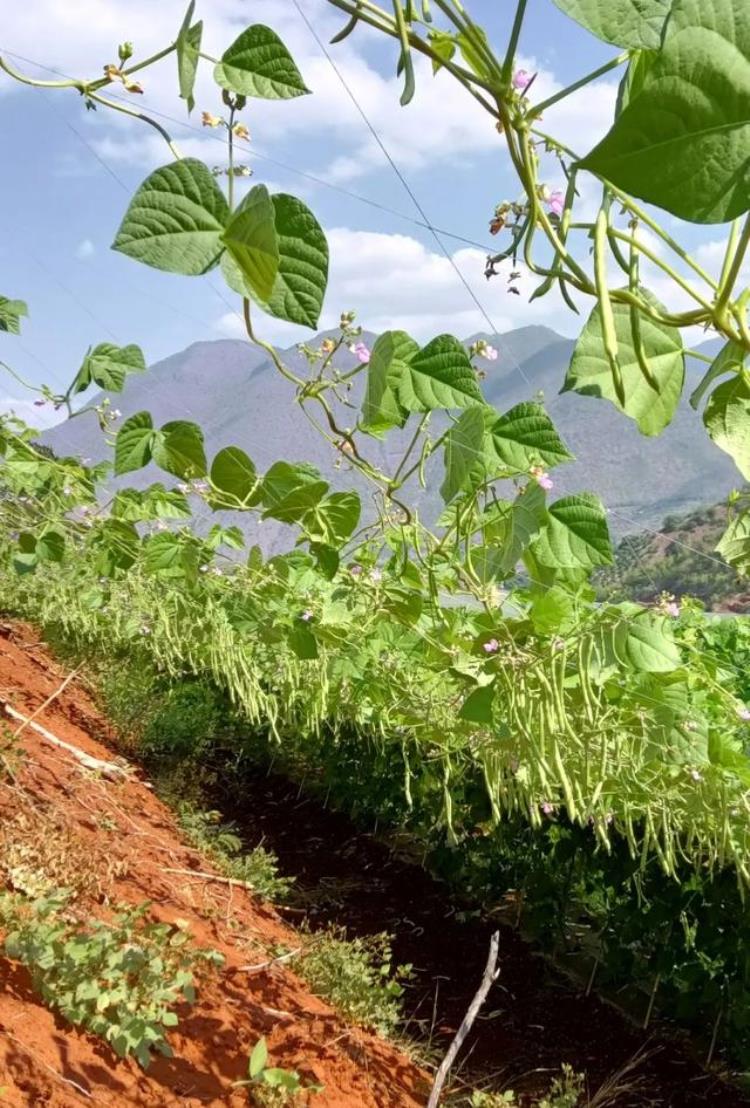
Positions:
(237, 396)
(679, 559)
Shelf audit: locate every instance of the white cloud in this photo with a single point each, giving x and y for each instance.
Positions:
(393, 281)
(85, 250)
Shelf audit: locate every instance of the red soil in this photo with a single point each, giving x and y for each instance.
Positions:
(122, 841)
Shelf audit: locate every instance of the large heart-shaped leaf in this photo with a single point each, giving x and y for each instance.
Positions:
(233, 475)
(188, 47)
(463, 454)
(108, 365)
(175, 220)
(511, 525)
(178, 449)
(652, 369)
(334, 519)
(290, 490)
(526, 436)
(576, 535)
(258, 64)
(630, 23)
(133, 443)
(11, 312)
(727, 420)
(438, 376)
(302, 276)
(645, 643)
(683, 143)
(253, 244)
(380, 408)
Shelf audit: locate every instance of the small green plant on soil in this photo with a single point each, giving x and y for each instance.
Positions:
(273, 1087)
(119, 980)
(357, 977)
(565, 1092)
(218, 840)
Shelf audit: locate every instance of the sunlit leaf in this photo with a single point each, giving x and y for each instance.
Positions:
(258, 64)
(252, 242)
(178, 449)
(727, 420)
(11, 312)
(188, 47)
(526, 436)
(388, 361)
(133, 443)
(576, 535)
(107, 365)
(629, 23)
(438, 376)
(683, 143)
(463, 453)
(176, 219)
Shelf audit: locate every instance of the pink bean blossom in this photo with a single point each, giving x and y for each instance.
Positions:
(556, 202)
(362, 351)
(521, 79)
(491, 647)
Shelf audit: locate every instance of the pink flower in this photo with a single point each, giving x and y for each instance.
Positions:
(355, 570)
(306, 615)
(744, 714)
(362, 352)
(521, 79)
(489, 353)
(542, 479)
(556, 202)
(695, 775)
(672, 609)
(547, 808)
(491, 647)
(376, 575)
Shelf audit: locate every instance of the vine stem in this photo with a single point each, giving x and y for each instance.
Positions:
(614, 63)
(730, 278)
(138, 115)
(24, 80)
(515, 34)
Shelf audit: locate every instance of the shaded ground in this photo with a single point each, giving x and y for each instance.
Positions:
(116, 841)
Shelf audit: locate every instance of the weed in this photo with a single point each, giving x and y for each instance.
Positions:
(273, 1087)
(38, 854)
(357, 977)
(120, 980)
(219, 841)
(565, 1092)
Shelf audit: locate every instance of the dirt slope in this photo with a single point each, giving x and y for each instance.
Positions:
(116, 841)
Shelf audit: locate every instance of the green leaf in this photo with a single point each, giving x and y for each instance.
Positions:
(258, 1058)
(133, 443)
(576, 535)
(178, 449)
(155, 502)
(188, 48)
(388, 363)
(175, 220)
(730, 359)
(258, 64)
(734, 545)
(645, 643)
(165, 554)
(234, 475)
(50, 545)
(632, 83)
(253, 244)
(326, 559)
(11, 312)
(108, 365)
(471, 51)
(477, 708)
(463, 453)
(627, 23)
(117, 543)
(552, 610)
(684, 142)
(727, 420)
(443, 43)
(438, 376)
(302, 642)
(302, 277)
(652, 383)
(526, 436)
(512, 527)
(290, 490)
(334, 519)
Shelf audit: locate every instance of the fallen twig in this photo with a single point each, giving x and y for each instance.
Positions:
(109, 769)
(270, 962)
(52, 696)
(489, 977)
(212, 877)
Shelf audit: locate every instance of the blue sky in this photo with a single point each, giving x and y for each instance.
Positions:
(71, 173)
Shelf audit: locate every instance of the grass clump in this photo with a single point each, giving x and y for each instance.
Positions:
(357, 977)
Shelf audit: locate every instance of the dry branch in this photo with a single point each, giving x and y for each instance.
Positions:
(109, 769)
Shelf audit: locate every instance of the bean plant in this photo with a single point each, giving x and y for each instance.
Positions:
(421, 632)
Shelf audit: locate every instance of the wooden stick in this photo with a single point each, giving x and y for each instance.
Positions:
(212, 877)
(53, 696)
(270, 962)
(109, 769)
(491, 973)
